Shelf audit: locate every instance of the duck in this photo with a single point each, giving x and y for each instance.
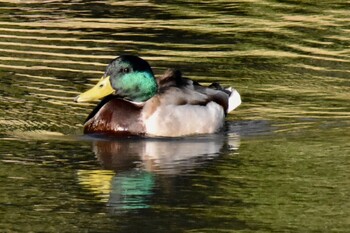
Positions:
(133, 102)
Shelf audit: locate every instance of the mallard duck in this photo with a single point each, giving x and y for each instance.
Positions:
(136, 103)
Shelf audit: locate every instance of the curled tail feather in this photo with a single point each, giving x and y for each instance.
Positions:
(234, 99)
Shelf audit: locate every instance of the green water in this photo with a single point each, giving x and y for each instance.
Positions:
(280, 165)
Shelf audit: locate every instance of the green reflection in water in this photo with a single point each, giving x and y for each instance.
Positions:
(130, 190)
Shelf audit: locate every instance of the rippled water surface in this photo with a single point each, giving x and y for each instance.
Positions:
(281, 164)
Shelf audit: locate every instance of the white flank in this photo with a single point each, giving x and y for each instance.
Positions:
(174, 120)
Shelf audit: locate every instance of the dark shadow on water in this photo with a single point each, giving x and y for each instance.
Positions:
(251, 128)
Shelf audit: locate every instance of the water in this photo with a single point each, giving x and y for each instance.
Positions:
(281, 164)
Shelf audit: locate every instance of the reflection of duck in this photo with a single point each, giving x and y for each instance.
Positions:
(165, 156)
(138, 162)
(138, 104)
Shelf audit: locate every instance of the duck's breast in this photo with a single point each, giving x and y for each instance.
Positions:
(118, 117)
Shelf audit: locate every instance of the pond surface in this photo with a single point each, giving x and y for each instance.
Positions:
(281, 164)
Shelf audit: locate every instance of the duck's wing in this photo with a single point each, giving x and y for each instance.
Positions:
(174, 89)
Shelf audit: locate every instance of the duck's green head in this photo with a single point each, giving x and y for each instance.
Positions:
(127, 76)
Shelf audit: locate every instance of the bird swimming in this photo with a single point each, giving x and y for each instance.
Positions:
(134, 102)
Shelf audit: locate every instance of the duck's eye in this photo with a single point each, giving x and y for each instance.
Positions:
(124, 70)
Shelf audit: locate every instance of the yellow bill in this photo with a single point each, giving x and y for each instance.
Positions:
(100, 90)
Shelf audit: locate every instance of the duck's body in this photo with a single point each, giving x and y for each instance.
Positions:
(176, 107)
